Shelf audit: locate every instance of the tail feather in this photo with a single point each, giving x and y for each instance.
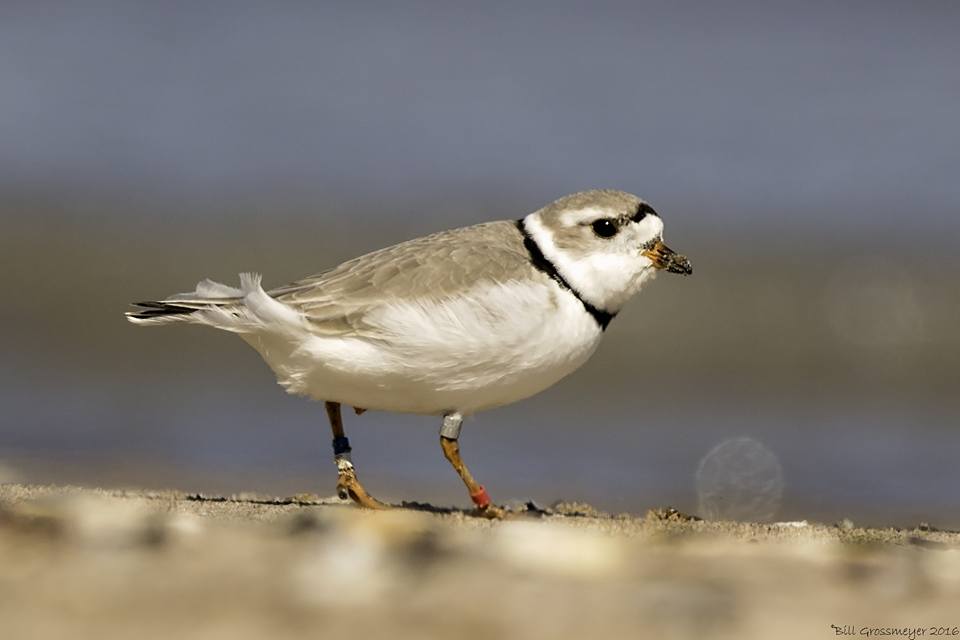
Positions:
(179, 307)
(244, 310)
(208, 290)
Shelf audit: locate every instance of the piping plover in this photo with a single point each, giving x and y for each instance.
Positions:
(449, 324)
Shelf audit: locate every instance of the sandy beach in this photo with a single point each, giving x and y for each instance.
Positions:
(94, 563)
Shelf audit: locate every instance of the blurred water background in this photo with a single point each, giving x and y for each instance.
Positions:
(804, 155)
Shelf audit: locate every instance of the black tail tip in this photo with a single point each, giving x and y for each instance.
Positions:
(157, 309)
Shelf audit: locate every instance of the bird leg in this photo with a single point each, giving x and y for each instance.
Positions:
(347, 482)
(449, 442)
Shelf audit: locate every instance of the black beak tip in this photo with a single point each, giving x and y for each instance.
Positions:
(680, 265)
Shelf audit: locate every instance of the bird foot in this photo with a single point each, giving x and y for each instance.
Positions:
(348, 486)
(485, 507)
(491, 512)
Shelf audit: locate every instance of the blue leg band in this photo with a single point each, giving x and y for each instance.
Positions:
(341, 445)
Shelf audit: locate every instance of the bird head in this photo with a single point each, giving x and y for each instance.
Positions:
(605, 243)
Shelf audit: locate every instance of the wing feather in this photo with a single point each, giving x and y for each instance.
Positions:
(443, 265)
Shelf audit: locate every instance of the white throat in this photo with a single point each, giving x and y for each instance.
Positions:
(605, 280)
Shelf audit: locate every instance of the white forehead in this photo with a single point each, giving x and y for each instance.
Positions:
(651, 226)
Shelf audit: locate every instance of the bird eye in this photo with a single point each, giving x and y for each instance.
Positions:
(605, 228)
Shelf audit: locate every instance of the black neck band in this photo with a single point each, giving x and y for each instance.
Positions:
(542, 263)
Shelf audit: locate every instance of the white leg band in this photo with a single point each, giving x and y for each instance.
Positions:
(451, 426)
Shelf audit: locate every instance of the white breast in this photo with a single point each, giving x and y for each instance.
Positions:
(499, 344)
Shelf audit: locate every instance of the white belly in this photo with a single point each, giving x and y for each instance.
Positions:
(499, 345)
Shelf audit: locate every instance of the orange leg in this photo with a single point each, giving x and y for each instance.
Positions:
(450, 443)
(347, 482)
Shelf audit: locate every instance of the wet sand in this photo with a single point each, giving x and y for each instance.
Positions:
(79, 563)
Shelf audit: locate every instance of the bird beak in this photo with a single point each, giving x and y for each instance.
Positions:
(663, 257)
